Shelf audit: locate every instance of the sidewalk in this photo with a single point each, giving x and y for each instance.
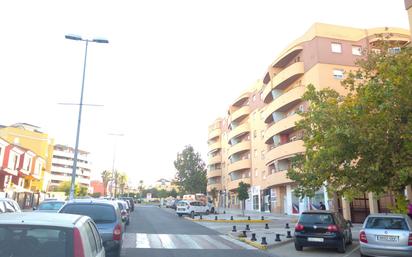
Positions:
(227, 212)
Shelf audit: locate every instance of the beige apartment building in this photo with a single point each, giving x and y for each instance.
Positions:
(255, 142)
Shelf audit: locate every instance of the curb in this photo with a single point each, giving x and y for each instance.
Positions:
(258, 245)
(229, 221)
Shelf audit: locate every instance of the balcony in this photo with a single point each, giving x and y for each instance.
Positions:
(215, 159)
(218, 187)
(283, 125)
(277, 178)
(214, 133)
(284, 151)
(287, 56)
(239, 165)
(288, 75)
(214, 146)
(290, 97)
(214, 173)
(239, 147)
(232, 185)
(240, 113)
(241, 99)
(241, 129)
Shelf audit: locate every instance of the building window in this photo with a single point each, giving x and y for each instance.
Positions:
(357, 50)
(336, 48)
(254, 134)
(262, 154)
(394, 50)
(255, 153)
(256, 202)
(337, 74)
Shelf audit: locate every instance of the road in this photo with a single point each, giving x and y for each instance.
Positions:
(155, 232)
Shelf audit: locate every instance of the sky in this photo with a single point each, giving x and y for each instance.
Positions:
(170, 68)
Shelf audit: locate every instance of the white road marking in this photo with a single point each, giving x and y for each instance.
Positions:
(188, 239)
(142, 241)
(166, 241)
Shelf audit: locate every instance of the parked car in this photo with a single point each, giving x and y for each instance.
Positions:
(49, 235)
(49, 206)
(9, 205)
(322, 229)
(386, 235)
(131, 201)
(124, 210)
(106, 215)
(191, 208)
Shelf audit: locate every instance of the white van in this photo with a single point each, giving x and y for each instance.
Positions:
(191, 208)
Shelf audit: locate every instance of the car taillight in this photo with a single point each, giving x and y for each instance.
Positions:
(117, 232)
(299, 227)
(362, 237)
(410, 240)
(77, 243)
(333, 228)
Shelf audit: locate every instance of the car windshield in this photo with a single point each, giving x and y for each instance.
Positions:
(389, 223)
(182, 204)
(100, 213)
(316, 218)
(121, 207)
(50, 206)
(33, 241)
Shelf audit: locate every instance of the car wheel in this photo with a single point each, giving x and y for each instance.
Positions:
(192, 214)
(342, 246)
(207, 212)
(298, 247)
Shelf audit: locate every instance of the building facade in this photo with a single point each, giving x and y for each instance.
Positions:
(255, 142)
(62, 166)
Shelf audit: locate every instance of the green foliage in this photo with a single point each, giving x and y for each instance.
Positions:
(96, 195)
(360, 142)
(78, 191)
(173, 193)
(106, 177)
(242, 194)
(191, 171)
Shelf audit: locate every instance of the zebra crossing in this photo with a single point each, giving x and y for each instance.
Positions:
(179, 241)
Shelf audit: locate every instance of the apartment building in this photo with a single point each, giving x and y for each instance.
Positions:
(62, 166)
(255, 142)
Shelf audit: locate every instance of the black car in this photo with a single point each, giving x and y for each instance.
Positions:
(322, 229)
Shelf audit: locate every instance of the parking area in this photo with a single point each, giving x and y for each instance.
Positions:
(288, 250)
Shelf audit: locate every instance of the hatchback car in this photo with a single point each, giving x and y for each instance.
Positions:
(386, 235)
(49, 206)
(106, 215)
(191, 208)
(322, 229)
(49, 235)
(9, 205)
(130, 200)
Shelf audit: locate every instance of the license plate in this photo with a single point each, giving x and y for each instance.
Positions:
(315, 239)
(387, 238)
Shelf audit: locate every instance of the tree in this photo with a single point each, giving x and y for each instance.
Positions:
(106, 177)
(191, 171)
(213, 194)
(162, 193)
(141, 188)
(78, 190)
(173, 193)
(122, 181)
(243, 194)
(361, 142)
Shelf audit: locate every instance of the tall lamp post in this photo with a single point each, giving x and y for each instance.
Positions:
(114, 174)
(76, 148)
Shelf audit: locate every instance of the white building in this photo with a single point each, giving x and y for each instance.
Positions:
(62, 166)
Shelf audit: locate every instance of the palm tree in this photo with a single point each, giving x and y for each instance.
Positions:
(122, 182)
(141, 188)
(106, 177)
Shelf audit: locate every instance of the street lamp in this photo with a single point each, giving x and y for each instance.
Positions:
(76, 148)
(114, 158)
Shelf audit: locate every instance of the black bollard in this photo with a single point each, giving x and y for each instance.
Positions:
(266, 226)
(247, 227)
(263, 241)
(248, 217)
(224, 212)
(244, 233)
(231, 217)
(289, 234)
(287, 225)
(234, 229)
(201, 217)
(215, 217)
(253, 237)
(263, 218)
(277, 238)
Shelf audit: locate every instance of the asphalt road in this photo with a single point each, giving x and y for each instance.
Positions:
(154, 232)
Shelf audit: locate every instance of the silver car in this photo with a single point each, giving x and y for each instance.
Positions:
(386, 235)
(40, 234)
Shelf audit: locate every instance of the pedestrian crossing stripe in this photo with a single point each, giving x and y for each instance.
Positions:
(179, 241)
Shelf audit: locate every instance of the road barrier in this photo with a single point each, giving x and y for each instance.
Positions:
(289, 234)
(266, 226)
(253, 239)
(247, 227)
(264, 241)
(234, 229)
(277, 238)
